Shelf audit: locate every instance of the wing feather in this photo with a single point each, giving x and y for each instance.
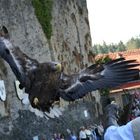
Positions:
(109, 75)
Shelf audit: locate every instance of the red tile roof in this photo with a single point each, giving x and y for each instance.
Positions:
(128, 55)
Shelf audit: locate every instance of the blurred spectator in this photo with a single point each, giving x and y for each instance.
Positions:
(89, 133)
(73, 136)
(98, 135)
(135, 109)
(100, 129)
(62, 137)
(82, 133)
(56, 136)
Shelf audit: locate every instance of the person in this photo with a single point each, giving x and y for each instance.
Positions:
(130, 131)
(100, 128)
(88, 133)
(82, 134)
(56, 136)
(94, 134)
(73, 136)
(137, 111)
(62, 137)
(98, 135)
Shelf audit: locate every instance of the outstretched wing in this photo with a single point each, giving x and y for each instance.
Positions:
(19, 62)
(96, 77)
(26, 66)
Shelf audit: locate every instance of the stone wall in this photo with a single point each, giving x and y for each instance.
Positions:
(70, 43)
(27, 125)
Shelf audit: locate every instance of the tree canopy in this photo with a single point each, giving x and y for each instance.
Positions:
(133, 43)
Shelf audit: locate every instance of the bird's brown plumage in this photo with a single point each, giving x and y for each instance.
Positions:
(46, 83)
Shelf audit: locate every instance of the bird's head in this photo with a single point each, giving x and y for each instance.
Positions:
(54, 66)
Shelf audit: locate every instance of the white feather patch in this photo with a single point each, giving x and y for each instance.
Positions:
(50, 115)
(25, 99)
(55, 112)
(7, 43)
(36, 111)
(59, 112)
(20, 92)
(10, 47)
(46, 117)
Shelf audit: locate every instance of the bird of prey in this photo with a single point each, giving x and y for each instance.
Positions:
(46, 82)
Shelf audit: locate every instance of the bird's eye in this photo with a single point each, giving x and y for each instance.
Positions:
(7, 51)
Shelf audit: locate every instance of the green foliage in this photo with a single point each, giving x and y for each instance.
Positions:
(104, 49)
(103, 60)
(43, 11)
(104, 92)
(133, 43)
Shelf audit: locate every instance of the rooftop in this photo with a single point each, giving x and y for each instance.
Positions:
(128, 55)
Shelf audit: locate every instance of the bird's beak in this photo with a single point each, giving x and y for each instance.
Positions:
(35, 101)
(58, 67)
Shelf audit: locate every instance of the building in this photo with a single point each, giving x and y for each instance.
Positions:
(122, 94)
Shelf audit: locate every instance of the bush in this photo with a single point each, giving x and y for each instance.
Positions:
(43, 11)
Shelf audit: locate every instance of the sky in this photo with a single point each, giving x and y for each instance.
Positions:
(113, 20)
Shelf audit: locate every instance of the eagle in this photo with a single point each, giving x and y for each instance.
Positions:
(46, 82)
